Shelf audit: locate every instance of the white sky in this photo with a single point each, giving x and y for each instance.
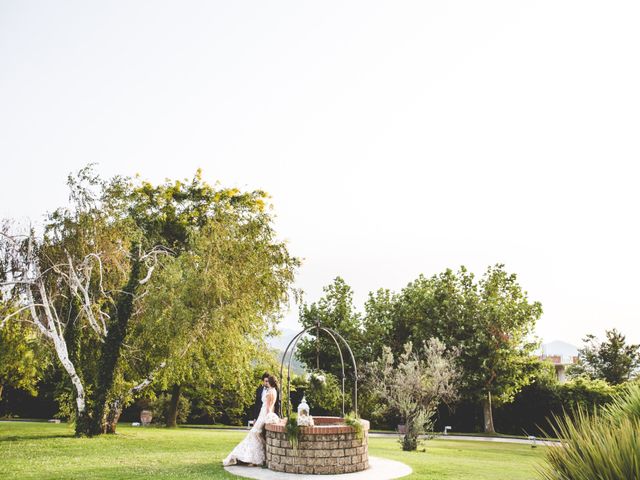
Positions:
(394, 137)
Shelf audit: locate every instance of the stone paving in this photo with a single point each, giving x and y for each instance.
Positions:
(379, 469)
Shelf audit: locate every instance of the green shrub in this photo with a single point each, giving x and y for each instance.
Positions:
(540, 401)
(598, 444)
(626, 404)
(584, 393)
(353, 421)
(292, 431)
(325, 398)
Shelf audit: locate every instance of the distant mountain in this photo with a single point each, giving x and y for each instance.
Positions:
(279, 343)
(558, 347)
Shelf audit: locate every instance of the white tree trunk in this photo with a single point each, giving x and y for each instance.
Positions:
(52, 328)
(63, 356)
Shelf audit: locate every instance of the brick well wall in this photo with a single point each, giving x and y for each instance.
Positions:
(318, 453)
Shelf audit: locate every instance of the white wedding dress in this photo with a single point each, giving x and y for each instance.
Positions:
(252, 448)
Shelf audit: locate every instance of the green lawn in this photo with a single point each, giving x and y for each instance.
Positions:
(47, 451)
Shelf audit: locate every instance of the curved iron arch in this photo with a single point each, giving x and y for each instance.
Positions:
(333, 334)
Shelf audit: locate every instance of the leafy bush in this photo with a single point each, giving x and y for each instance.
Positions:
(324, 394)
(584, 393)
(541, 400)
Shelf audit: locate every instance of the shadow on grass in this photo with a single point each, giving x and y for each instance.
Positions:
(231, 428)
(17, 438)
(195, 471)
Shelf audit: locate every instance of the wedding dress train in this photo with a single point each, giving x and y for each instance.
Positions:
(252, 448)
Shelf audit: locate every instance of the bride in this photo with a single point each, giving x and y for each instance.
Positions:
(251, 450)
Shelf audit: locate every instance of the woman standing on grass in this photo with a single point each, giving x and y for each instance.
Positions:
(252, 450)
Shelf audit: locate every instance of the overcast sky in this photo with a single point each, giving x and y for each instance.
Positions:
(396, 138)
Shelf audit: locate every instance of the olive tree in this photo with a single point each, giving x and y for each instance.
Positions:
(415, 384)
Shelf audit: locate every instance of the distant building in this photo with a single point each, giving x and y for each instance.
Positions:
(561, 355)
(560, 363)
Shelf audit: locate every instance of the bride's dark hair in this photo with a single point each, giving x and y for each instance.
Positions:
(273, 382)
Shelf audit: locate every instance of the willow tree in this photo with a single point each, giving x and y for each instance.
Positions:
(212, 303)
(212, 307)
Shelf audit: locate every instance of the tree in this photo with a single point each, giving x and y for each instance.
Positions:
(489, 321)
(216, 303)
(85, 282)
(226, 249)
(502, 357)
(414, 385)
(334, 310)
(378, 328)
(323, 392)
(612, 360)
(55, 292)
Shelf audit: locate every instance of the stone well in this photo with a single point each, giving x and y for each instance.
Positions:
(329, 447)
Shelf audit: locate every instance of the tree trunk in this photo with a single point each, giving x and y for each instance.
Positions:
(51, 329)
(83, 423)
(82, 417)
(112, 346)
(409, 442)
(1, 388)
(115, 410)
(411, 434)
(172, 415)
(72, 340)
(488, 414)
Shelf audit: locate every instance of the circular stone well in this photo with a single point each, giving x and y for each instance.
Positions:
(329, 447)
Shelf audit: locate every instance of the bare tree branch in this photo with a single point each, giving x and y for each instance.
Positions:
(147, 381)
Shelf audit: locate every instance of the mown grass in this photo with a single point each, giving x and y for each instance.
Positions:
(49, 451)
(464, 460)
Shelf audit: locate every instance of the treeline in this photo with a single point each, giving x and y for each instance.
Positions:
(489, 322)
(160, 296)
